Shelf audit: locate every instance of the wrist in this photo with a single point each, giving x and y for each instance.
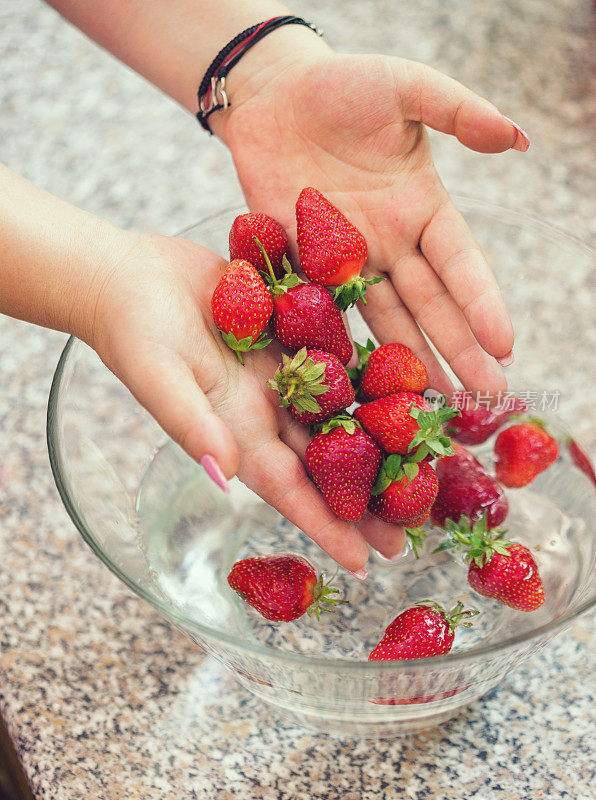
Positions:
(262, 70)
(102, 250)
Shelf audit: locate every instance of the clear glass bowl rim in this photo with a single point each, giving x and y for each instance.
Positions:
(297, 659)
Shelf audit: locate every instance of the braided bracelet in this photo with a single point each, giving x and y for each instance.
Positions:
(212, 91)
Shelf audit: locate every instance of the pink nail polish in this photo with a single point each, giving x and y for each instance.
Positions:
(507, 361)
(213, 469)
(522, 140)
(360, 574)
(397, 556)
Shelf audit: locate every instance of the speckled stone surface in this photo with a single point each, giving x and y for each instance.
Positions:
(106, 701)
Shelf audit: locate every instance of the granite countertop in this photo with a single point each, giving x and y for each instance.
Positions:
(102, 698)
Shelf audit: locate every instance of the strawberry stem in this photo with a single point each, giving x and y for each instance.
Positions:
(431, 436)
(274, 280)
(455, 618)
(298, 381)
(323, 599)
(479, 542)
(415, 537)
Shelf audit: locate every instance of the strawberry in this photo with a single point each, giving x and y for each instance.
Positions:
(422, 631)
(476, 425)
(343, 461)
(404, 492)
(523, 451)
(465, 487)
(304, 315)
(282, 588)
(498, 569)
(405, 421)
(241, 307)
(271, 235)
(332, 251)
(393, 368)
(581, 459)
(310, 374)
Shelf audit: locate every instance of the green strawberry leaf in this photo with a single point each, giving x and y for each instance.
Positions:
(244, 345)
(353, 290)
(411, 470)
(345, 421)
(382, 482)
(298, 380)
(415, 537)
(356, 373)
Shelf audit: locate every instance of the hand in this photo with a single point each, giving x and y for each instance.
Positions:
(152, 326)
(351, 127)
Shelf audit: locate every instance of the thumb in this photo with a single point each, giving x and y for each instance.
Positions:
(442, 103)
(165, 385)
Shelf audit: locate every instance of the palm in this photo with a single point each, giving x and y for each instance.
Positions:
(343, 126)
(161, 341)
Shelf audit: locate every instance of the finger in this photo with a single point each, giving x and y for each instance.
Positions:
(166, 386)
(277, 474)
(442, 103)
(387, 539)
(390, 321)
(445, 325)
(455, 256)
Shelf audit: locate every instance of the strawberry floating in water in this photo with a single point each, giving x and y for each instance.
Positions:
(332, 250)
(421, 632)
(476, 424)
(271, 235)
(523, 451)
(283, 588)
(241, 306)
(501, 570)
(466, 488)
(308, 375)
(343, 461)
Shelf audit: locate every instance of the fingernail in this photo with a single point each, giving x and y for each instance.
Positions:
(397, 556)
(522, 140)
(360, 574)
(213, 469)
(507, 361)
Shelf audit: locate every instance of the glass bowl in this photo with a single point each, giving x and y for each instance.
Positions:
(156, 520)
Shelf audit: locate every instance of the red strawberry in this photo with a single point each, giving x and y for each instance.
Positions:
(305, 315)
(403, 422)
(343, 462)
(403, 492)
(269, 232)
(581, 460)
(241, 305)
(522, 452)
(310, 374)
(466, 488)
(332, 251)
(475, 425)
(420, 632)
(282, 588)
(393, 368)
(498, 569)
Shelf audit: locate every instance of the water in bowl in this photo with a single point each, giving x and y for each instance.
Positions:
(191, 534)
